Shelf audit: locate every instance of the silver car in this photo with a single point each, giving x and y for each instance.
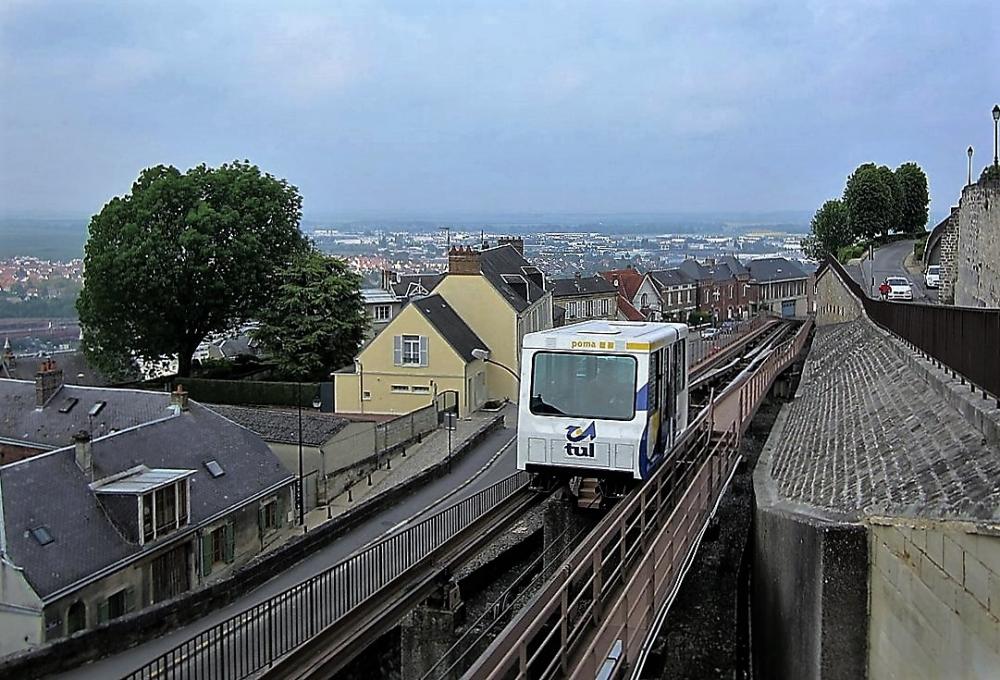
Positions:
(899, 288)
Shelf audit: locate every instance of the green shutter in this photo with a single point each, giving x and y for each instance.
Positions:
(206, 553)
(129, 600)
(102, 612)
(280, 500)
(230, 543)
(261, 520)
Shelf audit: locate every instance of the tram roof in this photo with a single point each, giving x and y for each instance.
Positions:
(608, 335)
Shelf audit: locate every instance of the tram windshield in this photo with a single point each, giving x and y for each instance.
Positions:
(579, 385)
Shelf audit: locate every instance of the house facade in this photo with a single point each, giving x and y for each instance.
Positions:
(488, 300)
(584, 298)
(381, 306)
(125, 519)
(780, 287)
(723, 286)
(667, 295)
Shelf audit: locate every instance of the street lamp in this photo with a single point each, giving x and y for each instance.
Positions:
(996, 120)
(970, 164)
(484, 355)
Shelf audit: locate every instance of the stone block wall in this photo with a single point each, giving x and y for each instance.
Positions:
(977, 259)
(948, 248)
(934, 600)
(834, 302)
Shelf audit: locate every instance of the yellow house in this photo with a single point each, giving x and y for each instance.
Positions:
(488, 300)
(425, 350)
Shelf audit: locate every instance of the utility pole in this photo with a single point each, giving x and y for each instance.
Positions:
(871, 266)
(301, 490)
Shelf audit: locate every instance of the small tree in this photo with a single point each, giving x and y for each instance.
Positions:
(870, 203)
(914, 208)
(183, 255)
(316, 321)
(830, 231)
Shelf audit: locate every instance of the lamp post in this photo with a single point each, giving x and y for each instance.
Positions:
(300, 491)
(484, 355)
(970, 164)
(996, 140)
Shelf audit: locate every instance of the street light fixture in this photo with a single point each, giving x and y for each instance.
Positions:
(484, 355)
(996, 120)
(970, 165)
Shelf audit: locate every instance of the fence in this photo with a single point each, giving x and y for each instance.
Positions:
(254, 639)
(700, 349)
(965, 339)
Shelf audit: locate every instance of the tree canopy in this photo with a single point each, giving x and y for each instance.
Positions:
(870, 202)
(316, 320)
(183, 255)
(830, 230)
(914, 204)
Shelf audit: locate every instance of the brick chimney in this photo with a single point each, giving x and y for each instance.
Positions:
(463, 260)
(179, 398)
(515, 241)
(84, 455)
(48, 380)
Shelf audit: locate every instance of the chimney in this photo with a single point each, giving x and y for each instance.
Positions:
(515, 241)
(48, 380)
(179, 398)
(463, 260)
(84, 455)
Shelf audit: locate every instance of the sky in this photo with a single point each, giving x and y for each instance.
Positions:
(496, 106)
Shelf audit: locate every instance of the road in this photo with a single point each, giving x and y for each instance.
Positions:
(889, 262)
(476, 466)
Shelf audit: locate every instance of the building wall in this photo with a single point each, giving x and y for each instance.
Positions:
(947, 248)
(577, 306)
(935, 600)
(21, 620)
(445, 370)
(834, 302)
(977, 258)
(772, 295)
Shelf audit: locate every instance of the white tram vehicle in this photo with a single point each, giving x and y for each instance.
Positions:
(601, 399)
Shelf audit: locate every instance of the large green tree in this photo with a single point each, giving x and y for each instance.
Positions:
(915, 199)
(316, 321)
(830, 231)
(870, 202)
(184, 254)
(894, 217)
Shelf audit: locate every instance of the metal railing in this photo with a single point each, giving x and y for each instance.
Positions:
(703, 350)
(597, 613)
(965, 339)
(254, 639)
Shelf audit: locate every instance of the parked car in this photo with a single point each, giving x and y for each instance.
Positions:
(932, 279)
(899, 288)
(709, 333)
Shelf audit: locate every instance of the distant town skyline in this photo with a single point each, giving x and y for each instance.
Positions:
(496, 107)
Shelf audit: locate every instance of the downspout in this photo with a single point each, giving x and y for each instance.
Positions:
(361, 387)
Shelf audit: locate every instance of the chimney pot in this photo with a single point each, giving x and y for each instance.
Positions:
(83, 453)
(463, 260)
(179, 398)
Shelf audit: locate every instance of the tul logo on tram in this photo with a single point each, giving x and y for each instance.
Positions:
(575, 444)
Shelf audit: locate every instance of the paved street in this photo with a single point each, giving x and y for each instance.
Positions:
(889, 262)
(423, 500)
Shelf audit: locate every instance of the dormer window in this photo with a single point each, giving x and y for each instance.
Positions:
(147, 504)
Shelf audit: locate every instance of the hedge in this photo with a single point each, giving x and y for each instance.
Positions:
(248, 392)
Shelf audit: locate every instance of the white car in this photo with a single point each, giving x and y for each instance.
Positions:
(899, 288)
(932, 279)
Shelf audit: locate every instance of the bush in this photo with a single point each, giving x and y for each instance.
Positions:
(851, 252)
(698, 318)
(248, 392)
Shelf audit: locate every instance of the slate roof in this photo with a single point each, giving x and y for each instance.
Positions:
(50, 490)
(671, 277)
(499, 260)
(865, 435)
(282, 425)
(450, 325)
(775, 269)
(47, 427)
(583, 285)
(408, 283)
(726, 270)
(629, 311)
(628, 281)
(377, 296)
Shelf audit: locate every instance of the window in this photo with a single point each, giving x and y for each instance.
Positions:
(96, 408)
(410, 350)
(400, 388)
(164, 510)
(644, 300)
(382, 312)
(68, 404)
(218, 539)
(420, 389)
(590, 308)
(366, 395)
(76, 617)
(119, 604)
(217, 546)
(562, 384)
(271, 518)
(42, 535)
(214, 468)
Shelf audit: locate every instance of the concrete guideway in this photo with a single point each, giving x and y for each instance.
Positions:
(487, 463)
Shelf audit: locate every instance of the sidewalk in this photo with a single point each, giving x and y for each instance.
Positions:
(399, 467)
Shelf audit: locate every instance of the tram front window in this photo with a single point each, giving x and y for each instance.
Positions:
(596, 386)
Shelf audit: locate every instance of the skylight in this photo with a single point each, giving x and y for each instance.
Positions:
(68, 405)
(96, 408)
(214, 468)
(42, 535)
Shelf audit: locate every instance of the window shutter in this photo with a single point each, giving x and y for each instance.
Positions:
(397, 350)
(103, 612)
(230, 543)
(129, 600)
(280, 501)
(261, 520)
(423, 350)
(206, 553)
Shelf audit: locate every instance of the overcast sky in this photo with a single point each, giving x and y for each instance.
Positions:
(496, 106)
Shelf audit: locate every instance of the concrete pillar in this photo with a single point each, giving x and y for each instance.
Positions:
(428, 632)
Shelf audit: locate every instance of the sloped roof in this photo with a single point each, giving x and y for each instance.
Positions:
(775, 269)
(629, 311)
(670, 277)
(282, 425)
(450, 325)
(409, 285)
(503, 260)
(49, 428)
(628, 281)
(50, 491)
(581, 285)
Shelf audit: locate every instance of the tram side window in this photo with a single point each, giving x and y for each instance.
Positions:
(655, 373)
(680, 375)
(577, 385)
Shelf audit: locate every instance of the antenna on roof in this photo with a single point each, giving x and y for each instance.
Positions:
(482, 239)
